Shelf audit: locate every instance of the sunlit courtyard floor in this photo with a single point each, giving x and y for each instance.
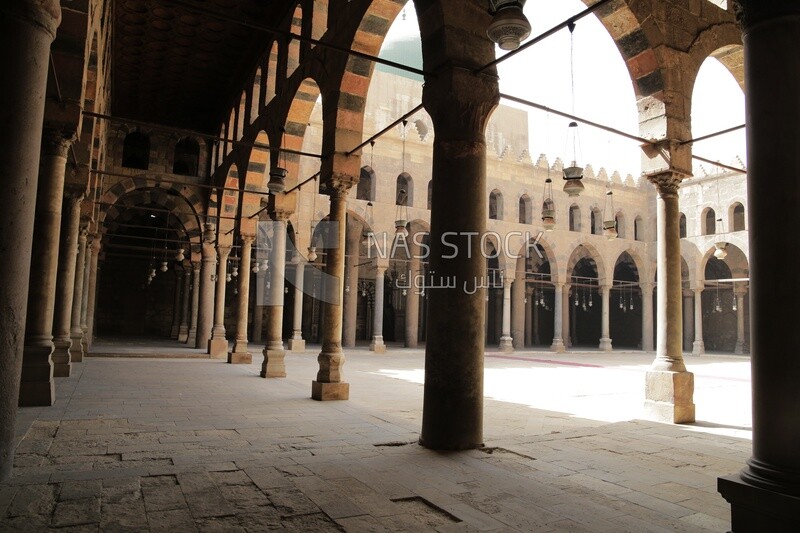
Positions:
(191, 444)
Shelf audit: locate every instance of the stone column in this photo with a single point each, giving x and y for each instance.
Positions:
(765, 496)
(519, 309)
(739, 295)
(65, 288)
(296, 343)
(37, 387)
(91, 292)
(218, 344)
(76, 332)
(27, 28)
(699, 347)
(412, 306)
(205, 314)
(567, 326)
(274, 365)
(459, 104)
(176, 305)
(669, 388)
(605, 336)
(350, 312)
(191, 339)
(377, 344)
(558, 316)
(183, 328)
(240, 353)
(531, 316)
(647, 316)
(329, 384)
(506, 342)
(90, 244)
(688, 320)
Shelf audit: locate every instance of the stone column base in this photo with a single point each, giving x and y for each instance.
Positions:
(558, 346)
(377, 344)
(329, 391)
(76, 351)
(297, 345)
(669, 397)
(240, 358)
(698, 348)
(757, 509)
(605, 345)
(62, 366)
(191, 340)
(183, 334)
(506, 344)
(739, 348)
(173, 333)
(274, 365)
(37, 387)
(218, 348)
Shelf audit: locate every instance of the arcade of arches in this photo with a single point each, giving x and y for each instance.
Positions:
(154, 157)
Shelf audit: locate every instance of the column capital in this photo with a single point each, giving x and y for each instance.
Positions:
(646, 285)
(195, 266)
(340, 184)
(44, 13)
(74, 195)
(460, 102)
(667, 182)
(247, 239)
(223, 251)
(698, 289)
(280, 215)
(56, 142)
(751, 12)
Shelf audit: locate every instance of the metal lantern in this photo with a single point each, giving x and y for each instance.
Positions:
(180, 255)
(312, 253)
(719, 250)
(509, 26)
(164, 267)
(277, 180)
(609, 222)
(548, 207)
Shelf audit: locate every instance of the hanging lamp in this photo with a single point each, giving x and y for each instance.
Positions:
(548, 206)
(277, 175)
(401, 216)
(312, 250)
(609, 220)
(509, 25)
(720, 251)
(369, 219)
(573, 174)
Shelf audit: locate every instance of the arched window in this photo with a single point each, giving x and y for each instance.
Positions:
(620, 220)
(525, 209)
(366, 185)
(638, 229)
(430, 194)
(136, 151)
(682, 225)
(574, 218)
(495, 205)
(737, 217)
(404, 193)
(710, 222)
(597, 222)
(187, 157)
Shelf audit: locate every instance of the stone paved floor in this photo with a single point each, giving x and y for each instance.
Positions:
(200, 445)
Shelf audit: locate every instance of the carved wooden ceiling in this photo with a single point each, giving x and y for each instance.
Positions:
(182, 67)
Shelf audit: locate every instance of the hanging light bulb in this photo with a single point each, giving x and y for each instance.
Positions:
(164, 267)
(509, 25)
(405, 292)
(180, 255)
(235, 289)
(590, 298)
(286, 290)
(264, 265)
(268, 284)
(312, 253)
(548, 206)
(235, 272)
(255, 268)
(228, 277)
(347, 289)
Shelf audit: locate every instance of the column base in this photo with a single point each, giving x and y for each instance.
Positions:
(76, 352)
(377, 344)
(506, 344)
(274, 365)
(37, 387)
(218, 348)
(240, 358)
(757, 509)
(329, 391)
(85, 342)
(605, 345)
(183, 334)
(173, 334)
(739, 348)
(191, 340)
(297, 345)
(698, 348)
(558, 346)
(669, 397)
(62, 366)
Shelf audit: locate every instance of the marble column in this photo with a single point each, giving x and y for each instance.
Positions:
(377, 344)
(183, 327)
(176, 305)
(91, 292)
(27, 28)
(647, 316)
(76, 332)
(669, 387)
(330, 384)
(558, 316)
(273, 365)
(568, 326)
(37, 386)
(412, 306)
(531, 316)
(605, 336)
(218, 344)
(519, 308)
(688, 320)
(350, 312)
(191, 339)
(90, 244)
(65, 288)
(765, 496)
(506, 342)
(240, 353)
(205, 313)
(698, 347)
(739, 295)
(296, 343)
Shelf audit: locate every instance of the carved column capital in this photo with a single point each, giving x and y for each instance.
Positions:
(340, 184)
(56, 143)
(44, 13)
(223, 251)
(247, 239)
(666, 182)
(751, 12)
